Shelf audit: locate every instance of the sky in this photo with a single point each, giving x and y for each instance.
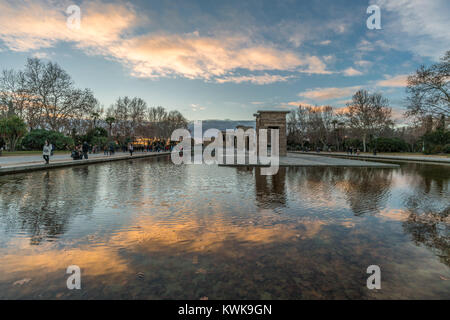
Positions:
(228, 59)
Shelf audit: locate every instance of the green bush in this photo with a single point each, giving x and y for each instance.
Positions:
(437, 137)
(12, 130)
(35, 139)
(355, 143)
(437, 149)
(99, 141)
(446, 148)
(437, 141)
(94, 136)
(389, 145)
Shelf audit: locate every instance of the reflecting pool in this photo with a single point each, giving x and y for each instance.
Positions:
(148, 229)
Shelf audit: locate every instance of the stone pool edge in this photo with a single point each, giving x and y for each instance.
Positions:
(430, 160)
(73, 163)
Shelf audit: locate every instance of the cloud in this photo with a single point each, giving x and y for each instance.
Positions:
(197, 107)
(363, 63)
(40, 55)
(396, 81)
(207, 57)
(325, 42)
(329, 93)
(368, 46)
(352, 72)
(419, 26)
(297, 103)
(26, 25)
(256, 79)
(107, 29)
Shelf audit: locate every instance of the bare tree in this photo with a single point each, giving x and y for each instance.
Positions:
(137, 111)
(320, 125)
(54, 98)
(175, 120)
(297, 125)
(368, 114)
(13, 92)
(429, 90)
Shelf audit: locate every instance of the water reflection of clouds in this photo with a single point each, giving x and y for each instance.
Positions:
(106, 221)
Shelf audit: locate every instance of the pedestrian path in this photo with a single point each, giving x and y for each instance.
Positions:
(429, 159)
(18, 164)
(310, 160)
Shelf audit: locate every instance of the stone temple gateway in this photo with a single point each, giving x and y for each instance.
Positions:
(273, 120)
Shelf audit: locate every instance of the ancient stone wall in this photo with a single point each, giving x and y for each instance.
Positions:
(273, 119)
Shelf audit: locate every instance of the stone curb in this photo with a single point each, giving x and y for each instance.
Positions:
(72, 163)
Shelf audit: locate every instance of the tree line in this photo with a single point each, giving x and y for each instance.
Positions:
(366, 123)
(42, 99)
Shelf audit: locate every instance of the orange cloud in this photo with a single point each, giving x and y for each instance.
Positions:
(397, 81)
(107, 29)
(26, 25)
(352, 72)
(328, 93)
(258, 79)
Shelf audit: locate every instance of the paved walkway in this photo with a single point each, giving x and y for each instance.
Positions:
(17, 164)
(310, 160)
(430, 159)
(33, 159)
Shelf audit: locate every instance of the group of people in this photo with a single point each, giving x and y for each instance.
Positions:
(351, 150)
(109, 150)
(155, 147)
(81, 151)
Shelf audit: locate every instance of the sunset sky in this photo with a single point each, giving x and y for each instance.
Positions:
(227, 59)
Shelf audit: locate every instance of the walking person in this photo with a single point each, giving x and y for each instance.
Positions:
(111, 148)
(131, 149)
(46, 151)
(85, 149)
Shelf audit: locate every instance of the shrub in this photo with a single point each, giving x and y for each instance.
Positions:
(437, 137)
(437, 149)
(94, 136)
(35, 139)
(12, 129)
(99, 141)
(355, 143)
(446, 148)
(437, 141)
(389, 145)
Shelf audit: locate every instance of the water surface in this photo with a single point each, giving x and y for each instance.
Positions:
(148, 229)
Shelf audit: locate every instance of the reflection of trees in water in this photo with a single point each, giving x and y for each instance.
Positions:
(43, 203)
(367, 189)
(429, 213)
(315, 183)
(270, 190)
(429, 179)
(433, 230)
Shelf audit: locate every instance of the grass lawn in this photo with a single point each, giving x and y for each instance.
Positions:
(28, 153)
